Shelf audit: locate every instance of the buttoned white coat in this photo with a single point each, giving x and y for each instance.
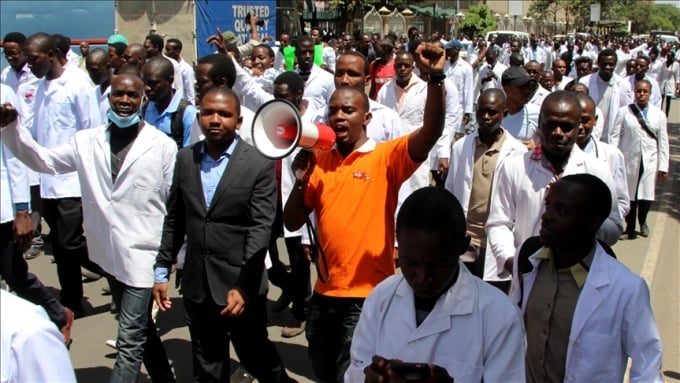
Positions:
(638, 146)
(461, 171)
(123, 220)
(621, 95)
(612, 321)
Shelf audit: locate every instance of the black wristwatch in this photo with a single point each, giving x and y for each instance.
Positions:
(436, 78)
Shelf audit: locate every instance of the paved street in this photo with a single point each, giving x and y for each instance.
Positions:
(656, 258)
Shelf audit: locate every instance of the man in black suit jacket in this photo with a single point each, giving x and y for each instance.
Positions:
(223, 198)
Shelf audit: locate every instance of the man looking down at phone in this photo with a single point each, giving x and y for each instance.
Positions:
(353, 192)
(436, 312)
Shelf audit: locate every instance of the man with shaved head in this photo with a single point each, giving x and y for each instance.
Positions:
(126, 167)
(167, 109)
(475, 160)
(65, 103)
(135, 54)
(98, 65)
(522, 181)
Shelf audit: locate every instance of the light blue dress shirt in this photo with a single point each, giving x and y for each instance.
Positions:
(163, 121)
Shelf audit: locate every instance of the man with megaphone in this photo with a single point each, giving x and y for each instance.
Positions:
(353, 191)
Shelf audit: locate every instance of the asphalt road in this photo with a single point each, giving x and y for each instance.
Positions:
(656, 258)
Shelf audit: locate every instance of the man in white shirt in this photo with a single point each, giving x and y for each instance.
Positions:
(98, 64)
(426, 313)
(319, 84)
(23, 82)
(460, 72)
(65, 103)
(609, 90)
(16, 228)
(32, 349)
(521, 119)
(559, 68)
(522, 181)
(641, 68)
(609, 154)
(154, 44)
(533, 68)
(490, 74)
(474, 161)
(173, 50)
(126, 168)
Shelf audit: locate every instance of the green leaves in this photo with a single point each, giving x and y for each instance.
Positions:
(478, 20)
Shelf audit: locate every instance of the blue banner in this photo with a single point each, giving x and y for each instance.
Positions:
(231, 16)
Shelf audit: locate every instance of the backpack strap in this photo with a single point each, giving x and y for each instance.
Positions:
(641, 120)
(177, 123)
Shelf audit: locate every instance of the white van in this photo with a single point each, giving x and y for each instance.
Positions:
(502, 37)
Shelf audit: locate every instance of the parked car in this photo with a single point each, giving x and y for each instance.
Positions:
(503, 37)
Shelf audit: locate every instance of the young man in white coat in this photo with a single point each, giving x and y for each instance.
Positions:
(646, 153)
(598, 312)
(609, 90)
(605, 152)
(522, 181)
(474, 161)
(406, 94)
(435, 312)
(125, 170)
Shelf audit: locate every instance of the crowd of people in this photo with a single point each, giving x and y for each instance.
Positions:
(462, 221)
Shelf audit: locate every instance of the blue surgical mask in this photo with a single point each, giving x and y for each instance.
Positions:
(123, 122)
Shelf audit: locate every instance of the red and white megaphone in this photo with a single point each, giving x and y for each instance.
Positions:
(277, 130)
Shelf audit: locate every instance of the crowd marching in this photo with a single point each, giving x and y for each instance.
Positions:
(463, 219)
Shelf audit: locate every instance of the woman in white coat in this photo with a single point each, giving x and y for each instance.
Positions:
(645, 148)
(670, 80)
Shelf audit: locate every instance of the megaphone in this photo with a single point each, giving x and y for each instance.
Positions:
(277, 130)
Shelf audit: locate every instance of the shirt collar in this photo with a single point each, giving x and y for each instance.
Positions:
(579, 271)
(227, 152)
(366, 147)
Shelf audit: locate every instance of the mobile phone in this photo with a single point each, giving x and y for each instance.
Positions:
(411, 371)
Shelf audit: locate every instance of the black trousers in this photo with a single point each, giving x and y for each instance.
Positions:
(65, 219)
(210, 335)
(14, 270)
(296, 283)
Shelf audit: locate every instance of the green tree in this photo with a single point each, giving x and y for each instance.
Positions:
(478, 20)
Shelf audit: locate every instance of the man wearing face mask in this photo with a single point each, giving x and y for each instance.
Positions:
(125, 169)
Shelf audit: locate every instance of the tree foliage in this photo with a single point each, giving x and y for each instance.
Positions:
(478, 20)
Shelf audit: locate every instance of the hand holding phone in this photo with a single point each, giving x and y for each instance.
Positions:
(410, 371)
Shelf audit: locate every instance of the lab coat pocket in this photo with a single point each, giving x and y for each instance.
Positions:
(596, 358)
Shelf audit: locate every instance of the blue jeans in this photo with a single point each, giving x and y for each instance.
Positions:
(330, 327)
(137, 340)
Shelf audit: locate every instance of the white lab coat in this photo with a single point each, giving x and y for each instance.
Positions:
(461, 73)
(14, 180)
(474, 331)
(459, 179)
(612, 156)
(517, 201)
(63, 106)
(32, 348)
(612, 321)
(636, 145)
(498, 70)
(123, 220)
(319, 87)
(621, 95)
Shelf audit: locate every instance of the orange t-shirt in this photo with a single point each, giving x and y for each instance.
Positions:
(354, 200)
